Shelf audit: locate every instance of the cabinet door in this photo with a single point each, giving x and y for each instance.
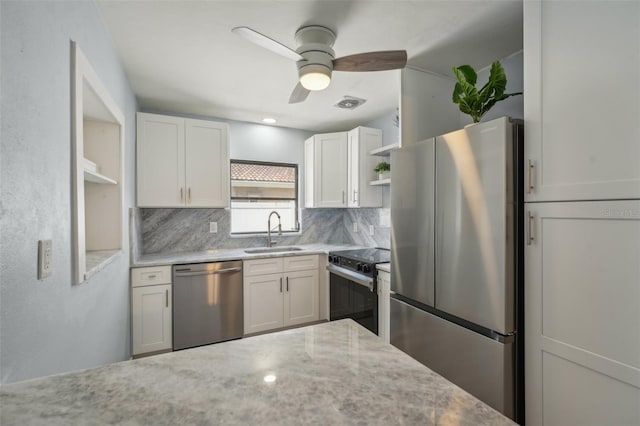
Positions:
(263, 306)
(301, 297)
(160, 161)
(151, 318)
(330, 170)
(361, 167)
(582, 311)
(581, 142)
(207, 164)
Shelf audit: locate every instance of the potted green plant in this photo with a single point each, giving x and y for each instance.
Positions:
(383, 169)
(476, 102)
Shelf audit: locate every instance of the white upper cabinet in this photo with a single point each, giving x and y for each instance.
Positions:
(160, 143)
(207, 160)
(326, 170)
(582, 103)
(361, 165)
(339, 167)
(182, 162)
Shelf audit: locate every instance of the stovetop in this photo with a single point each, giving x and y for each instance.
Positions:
(369, 255)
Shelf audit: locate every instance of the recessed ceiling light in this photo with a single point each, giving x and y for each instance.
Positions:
(269, 378)
(269, 120)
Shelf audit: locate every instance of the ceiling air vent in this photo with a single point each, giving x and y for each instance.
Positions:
(350, 102)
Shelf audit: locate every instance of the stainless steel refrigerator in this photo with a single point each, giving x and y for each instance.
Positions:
(456, 268)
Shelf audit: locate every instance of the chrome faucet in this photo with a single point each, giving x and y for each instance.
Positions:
(271, 243)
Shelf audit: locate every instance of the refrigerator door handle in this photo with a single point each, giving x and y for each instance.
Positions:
(530, 185)
(530, 237)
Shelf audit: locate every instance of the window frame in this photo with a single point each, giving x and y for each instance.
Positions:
(296, 199)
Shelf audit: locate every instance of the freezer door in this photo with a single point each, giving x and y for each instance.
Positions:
(475, 225)
(412, 218)
(481, 366)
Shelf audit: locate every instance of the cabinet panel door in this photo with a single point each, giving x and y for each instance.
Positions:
(301, 297)
(207, 164)
(263, 306)
(160, 161)
(361, 167)
(151, 318)
(300, 263)
(583, 143)
(582, 310)
(269, 265)
(330, 170)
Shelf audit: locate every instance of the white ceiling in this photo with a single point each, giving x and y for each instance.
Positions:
(180, 56)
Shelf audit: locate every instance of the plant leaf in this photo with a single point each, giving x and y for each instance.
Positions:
(468, 72)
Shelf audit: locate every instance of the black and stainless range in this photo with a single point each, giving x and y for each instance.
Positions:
(353, 290)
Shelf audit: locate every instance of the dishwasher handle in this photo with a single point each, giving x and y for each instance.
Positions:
(184, 273)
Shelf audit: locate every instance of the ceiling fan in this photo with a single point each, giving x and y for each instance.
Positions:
(316, 59)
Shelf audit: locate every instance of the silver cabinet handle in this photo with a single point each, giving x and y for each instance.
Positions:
(287, 283)
(182, 195)
(166, 295)
(280, 284)
(343, 196)
(189, 195)
(151, 276)
(355, 196)
(530, 185)
(529, 237)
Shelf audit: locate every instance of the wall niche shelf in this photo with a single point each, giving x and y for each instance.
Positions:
(94, 177)
(98, 170)
(381, 182)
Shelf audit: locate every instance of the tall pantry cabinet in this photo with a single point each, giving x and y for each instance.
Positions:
(582, 212)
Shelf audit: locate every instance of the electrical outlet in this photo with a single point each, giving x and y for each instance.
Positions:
(355, 226)
(45, 264)
(213, 227)
(371, 230)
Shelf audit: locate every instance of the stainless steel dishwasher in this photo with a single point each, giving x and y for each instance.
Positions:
(207, 303)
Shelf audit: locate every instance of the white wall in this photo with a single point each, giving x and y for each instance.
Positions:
(51, 326)
(513, 106)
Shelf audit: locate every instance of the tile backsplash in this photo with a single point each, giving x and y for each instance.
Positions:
(187, 230)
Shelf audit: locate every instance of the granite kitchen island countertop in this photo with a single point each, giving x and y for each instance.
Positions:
(218, 255)
(332, 373)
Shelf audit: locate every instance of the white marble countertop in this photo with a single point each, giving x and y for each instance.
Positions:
(216, 255)
(332, 373)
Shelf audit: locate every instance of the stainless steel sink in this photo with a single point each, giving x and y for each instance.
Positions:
(272, 249)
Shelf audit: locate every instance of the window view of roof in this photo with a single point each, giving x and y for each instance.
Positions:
(262, 173)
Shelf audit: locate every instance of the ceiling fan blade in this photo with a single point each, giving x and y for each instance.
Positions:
(299, 94)
(266, 42)
(372, 61)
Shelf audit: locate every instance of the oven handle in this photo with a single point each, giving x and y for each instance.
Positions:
(351, 276)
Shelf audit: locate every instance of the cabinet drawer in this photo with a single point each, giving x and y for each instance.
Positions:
(152, 275)
(272, 265)
(300, 263)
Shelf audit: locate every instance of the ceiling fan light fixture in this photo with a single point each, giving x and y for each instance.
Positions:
(315, 77)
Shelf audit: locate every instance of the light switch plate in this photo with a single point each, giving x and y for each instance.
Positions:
(45, 251)
(371, 230)
(213, 227)
(355, 226)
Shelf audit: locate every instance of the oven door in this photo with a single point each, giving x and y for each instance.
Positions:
(352, 295)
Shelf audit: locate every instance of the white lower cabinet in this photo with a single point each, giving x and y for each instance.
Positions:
(384, 286)
(582, 313)
(151, 309)
(275, 300)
